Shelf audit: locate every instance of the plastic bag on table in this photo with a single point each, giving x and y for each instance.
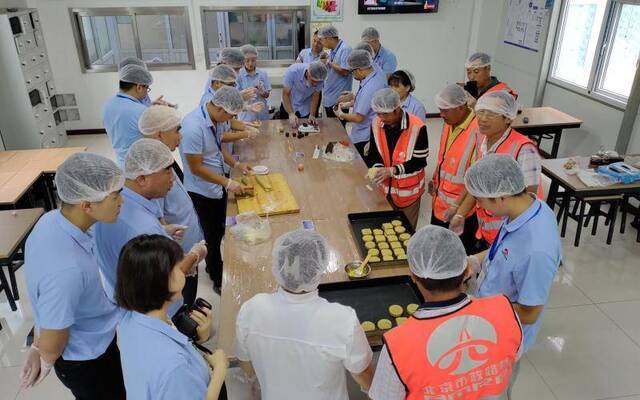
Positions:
(336, 151)
(593, 179)
(251, 229)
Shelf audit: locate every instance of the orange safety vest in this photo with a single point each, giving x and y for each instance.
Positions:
(448, 178)
(404, 189)
(489, 225)
(503, 86)
(468, 354)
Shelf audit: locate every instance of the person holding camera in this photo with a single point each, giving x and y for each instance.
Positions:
(158, 361)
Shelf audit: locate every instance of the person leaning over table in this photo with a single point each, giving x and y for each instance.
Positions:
(75, 323)
(383, 57)
(398, 152)
(297, 343)
(339, 78)
(525, 256)
(302, 87)
(204, 177)
(404, 83)
(457, 148)
(452, 342)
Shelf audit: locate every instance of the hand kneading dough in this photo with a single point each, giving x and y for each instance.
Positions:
(395, 310)
(368, 326)
(411, 308)
(401, 320)
(384, 324)
(369, 245)
(396, 222)
(366, 231)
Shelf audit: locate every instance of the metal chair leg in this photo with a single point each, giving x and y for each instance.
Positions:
(4, 285)
(623, 210)
(576, 243)
(613, 213)
(596, 217)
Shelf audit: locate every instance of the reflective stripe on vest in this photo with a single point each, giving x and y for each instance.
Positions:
(489, 225)
(448, 178)
(468, 354)
(404, 189)
(503, 86)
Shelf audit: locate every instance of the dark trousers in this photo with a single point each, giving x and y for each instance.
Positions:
(190, 290)
(99, 379)
(360, 147)
(212, 214)
(328, 113)
(283, 114)
(468, 236)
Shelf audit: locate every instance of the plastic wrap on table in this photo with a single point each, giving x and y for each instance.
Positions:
(251, 229)
(336, 151)
(593, 179)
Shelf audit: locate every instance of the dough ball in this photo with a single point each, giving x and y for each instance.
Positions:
(387, 225)
(404, 236)
(374, 252)
(396, 222)
(387, 258)
(405, 244)
(384, 324)
(399, 252)
(389, 232)
(367, 238)
(386, 252)
(383, 245)
(369, 245)
(368, 326)
(374, 259)
(380, 238)
(378, 232)
(401, 256)
(366, 231)
(400, 229)
(395, 245)
(395, 310)
(411, 308)
(401, 320)
(392, 238)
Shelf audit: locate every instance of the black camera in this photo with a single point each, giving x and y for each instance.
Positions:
(472, 88)
(183, 322)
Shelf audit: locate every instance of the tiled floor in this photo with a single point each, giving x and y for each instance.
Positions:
(588, 347)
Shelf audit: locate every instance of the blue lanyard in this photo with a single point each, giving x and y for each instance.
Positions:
(213, 130)
(496, 244)
(334, 52)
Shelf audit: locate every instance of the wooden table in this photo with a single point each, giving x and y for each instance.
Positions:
(547, 123)
(326, 192)
(15, 226)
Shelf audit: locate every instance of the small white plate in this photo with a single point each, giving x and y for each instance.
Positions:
(260, 170)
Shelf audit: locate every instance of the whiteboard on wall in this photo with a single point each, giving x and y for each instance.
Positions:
(525, 22)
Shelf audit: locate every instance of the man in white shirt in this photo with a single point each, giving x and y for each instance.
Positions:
(297, 343)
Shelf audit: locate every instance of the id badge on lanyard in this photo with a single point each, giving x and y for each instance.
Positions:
(213, 132)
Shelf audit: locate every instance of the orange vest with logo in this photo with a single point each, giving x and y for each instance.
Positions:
(468, 354)
(489, 225)
(404, 189)
(448, 178)
(503, 86)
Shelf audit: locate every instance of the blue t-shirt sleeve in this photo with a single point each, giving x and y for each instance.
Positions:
(289, 78)
(343, 55)
(391, 64)
(192, 142)
(181, 383)
(534, 278)
(363, 105)
(58, 298)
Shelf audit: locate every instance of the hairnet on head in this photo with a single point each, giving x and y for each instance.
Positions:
(317, 71)
(500, 102)
(146, 157)
(133, 73)
(232, 57)
(131, 61)
(223, 73)
(228, 98)
(299, 259)
(385, 101)
(478, 60)
(328, 31)
(158, 118)
(364, 46)
(87, 177)
(451, 96)
(359, 59)
(249, 49)
(493, 176)
(369, 34)
(435, 252)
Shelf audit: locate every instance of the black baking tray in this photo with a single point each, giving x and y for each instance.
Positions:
(374, 220)
(371, 298)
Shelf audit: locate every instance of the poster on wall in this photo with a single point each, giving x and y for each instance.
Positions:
(326, 10)
(525, 21)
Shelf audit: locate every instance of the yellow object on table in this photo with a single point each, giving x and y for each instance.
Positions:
(278, 200)
(368, 326)
(396, 310)
(384, 324)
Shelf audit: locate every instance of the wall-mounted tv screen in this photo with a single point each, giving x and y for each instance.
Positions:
(397, 6)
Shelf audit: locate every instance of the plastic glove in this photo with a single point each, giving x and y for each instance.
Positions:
(251, 133)
(35, 369)
(234, 187)
(249, 93)
(293, 120)
(176, 231)
(382, 174)
(456, 225)
(450, 212)
(244, 167)
(256, 124)
(160, 101)
(339, 113)
(199, 250)
(255, 107)
(203, 319)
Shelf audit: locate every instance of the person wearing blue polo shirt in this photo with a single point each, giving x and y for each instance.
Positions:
(525, 256)
(302, 85)
(384, 58)
(220, 75)
(314, 53)
(252, 77)
(404, 83)
(75, 323)
(121, 112)
(339, 77)
(203, 157)
(147, 100)
(371, 80)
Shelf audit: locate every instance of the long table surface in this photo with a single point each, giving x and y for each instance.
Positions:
(14, 226)
(326, 191)
(539, 117)
(554, 169)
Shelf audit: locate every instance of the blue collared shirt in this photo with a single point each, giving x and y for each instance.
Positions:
(335, 83)
(63, 281)
(523, 261)
(306, 56)
(159, 362)
(120, 115)
(246, 80)
(202, 137)
(415, 107)
(208, 94)
(362, 105)
(386, 60)
(301, 89)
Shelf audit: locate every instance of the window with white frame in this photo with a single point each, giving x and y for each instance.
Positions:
(597, 48)
(160, 36)
(279, 33)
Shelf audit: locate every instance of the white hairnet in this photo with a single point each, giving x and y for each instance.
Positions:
(299, 259)
(493, 176)
(328, 31)
(369, 34)
(87, 177)
(478, 60)
(364, 46)
(133, 73)
(385, 101)
(232, 57)
(228, 98)
(451, 96)
(158, 118)
(223, 73)
(249, 49)
(359, 59)
(146, 157)
(131, 61)
(435, 252)
(500, 102)
(317, 71)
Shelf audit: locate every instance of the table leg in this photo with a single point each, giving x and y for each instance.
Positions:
(48, 183)
(614, 214)
(565, 215)
(583, 203)
(556, 143)
(553, 193)
(7, 290)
